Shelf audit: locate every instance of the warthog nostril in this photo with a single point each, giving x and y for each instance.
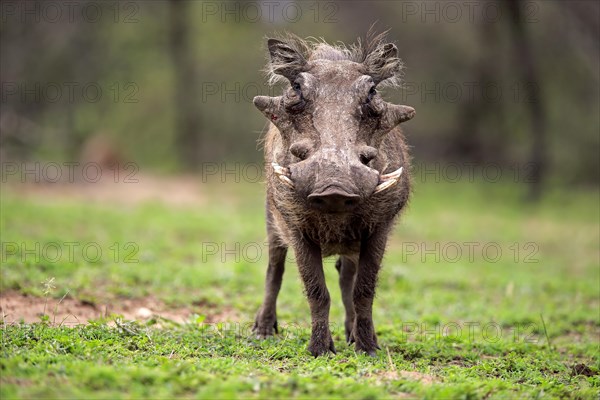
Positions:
(333, 200)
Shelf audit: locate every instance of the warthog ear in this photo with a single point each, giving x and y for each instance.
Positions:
(382, 63)
(286, 58)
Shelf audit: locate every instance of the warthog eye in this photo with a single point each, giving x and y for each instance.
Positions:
(372, 93)
(369, 107)
(296, 101)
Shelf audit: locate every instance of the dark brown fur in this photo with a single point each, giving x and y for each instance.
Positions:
(328, 125)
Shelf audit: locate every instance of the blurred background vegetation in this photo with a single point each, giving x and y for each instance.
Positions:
(170, 83)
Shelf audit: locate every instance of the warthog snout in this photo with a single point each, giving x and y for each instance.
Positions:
(333, 200)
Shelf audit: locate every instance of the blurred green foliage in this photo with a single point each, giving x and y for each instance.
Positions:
(451, 61)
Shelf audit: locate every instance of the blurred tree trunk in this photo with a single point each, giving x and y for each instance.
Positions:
(187, 116)
(468, 143)
(525, 62)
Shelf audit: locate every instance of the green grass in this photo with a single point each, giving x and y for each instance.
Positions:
(522, 324)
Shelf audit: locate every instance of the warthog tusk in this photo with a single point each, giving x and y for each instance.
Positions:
(391, 175)
(388, 180)
(279, 170)
(282, 174)
(286, 180)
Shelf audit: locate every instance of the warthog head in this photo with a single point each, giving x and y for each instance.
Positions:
(332, 120)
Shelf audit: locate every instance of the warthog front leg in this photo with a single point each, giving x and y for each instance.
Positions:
(363, 331)
(347, 269)
(266, 318)
(310, 265)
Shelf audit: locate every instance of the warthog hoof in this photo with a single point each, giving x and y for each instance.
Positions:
(319, 348)
(265, 325)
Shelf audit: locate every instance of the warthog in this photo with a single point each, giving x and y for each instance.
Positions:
(337, 176)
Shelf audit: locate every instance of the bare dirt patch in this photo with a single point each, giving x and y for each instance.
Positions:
(175, 190)
(393, 374)
(16, 307)
(425, 379)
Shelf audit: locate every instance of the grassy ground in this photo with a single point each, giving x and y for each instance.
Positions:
(481, 296)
